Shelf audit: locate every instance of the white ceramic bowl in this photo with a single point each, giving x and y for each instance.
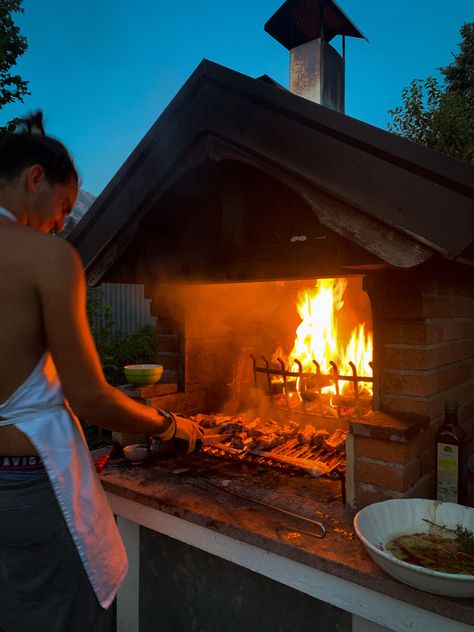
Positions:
(135, 453)
(377, 524)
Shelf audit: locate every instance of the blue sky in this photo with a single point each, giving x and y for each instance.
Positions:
(103, 70)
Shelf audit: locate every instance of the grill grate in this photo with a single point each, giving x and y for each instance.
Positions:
(289, 456)
(309, 387)
(318, 454)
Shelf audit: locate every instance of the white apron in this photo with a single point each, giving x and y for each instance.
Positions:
(38, 409)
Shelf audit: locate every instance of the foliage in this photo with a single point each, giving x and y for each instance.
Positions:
(459, 75)
(440, 115)
(414, 120)
(114, 347)
(12, 45)
(466, 539)
(453, 127)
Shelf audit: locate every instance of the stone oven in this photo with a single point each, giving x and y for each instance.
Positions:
(241, 196)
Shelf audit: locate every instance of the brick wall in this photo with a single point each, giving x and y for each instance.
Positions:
(206, 334)
(424, 343)
(423, 325)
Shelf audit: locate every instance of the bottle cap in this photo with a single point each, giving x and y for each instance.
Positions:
(450, 405)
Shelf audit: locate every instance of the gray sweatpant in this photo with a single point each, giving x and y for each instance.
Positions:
(43, 584)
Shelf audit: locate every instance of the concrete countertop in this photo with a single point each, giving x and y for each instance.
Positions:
(197, 489)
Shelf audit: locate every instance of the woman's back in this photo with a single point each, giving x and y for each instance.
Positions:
(22, 342)
(21, 331)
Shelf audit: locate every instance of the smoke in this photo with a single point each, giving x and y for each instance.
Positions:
(224, 324)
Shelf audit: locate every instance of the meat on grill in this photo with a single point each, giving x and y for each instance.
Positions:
(304, 436)
(319, 438)
(214, 421)
(337, 441)
(262, 435)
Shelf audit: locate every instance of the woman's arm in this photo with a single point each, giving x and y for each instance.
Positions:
(62, 288)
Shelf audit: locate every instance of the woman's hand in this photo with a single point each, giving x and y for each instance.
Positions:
(190, 432)
(186, 434)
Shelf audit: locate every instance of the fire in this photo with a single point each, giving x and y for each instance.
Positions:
(317, 335)
(318, 338)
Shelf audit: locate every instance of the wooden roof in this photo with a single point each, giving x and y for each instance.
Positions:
(395, 199)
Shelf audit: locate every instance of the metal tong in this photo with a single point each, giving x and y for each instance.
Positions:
(319, 525)
(320, 535)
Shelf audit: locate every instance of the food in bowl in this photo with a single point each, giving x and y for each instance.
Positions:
(378, 524)
(136, 453)
(142, 374)
(444, 554)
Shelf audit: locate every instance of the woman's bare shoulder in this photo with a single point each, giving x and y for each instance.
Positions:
(45, 253)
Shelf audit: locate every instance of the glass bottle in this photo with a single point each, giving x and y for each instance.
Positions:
(451, 458)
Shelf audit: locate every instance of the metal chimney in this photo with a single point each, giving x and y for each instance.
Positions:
(305, 28)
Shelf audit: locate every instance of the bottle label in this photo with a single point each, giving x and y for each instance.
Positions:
(447, 462)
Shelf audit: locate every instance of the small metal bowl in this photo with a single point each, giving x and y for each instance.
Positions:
(136, 453)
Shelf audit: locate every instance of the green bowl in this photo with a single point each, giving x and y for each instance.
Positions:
(143, 374)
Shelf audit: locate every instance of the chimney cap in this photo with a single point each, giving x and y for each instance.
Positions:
(299, 21)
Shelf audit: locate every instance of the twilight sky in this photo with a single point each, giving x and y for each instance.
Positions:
(103, 70)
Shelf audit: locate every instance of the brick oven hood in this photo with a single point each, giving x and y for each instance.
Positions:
(225, 136)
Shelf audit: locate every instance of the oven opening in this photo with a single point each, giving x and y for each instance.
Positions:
(327, 370)
(278, 368)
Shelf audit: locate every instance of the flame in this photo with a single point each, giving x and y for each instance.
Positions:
(318, 337)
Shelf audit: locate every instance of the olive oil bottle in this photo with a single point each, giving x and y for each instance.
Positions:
(451, 463)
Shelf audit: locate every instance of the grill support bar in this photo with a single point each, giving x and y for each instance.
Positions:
(321, 379)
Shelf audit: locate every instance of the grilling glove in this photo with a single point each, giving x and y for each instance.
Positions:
(187, 434)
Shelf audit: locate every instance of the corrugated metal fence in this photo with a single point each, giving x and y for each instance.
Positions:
(130, 308)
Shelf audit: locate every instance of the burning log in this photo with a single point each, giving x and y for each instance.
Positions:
(324, 369)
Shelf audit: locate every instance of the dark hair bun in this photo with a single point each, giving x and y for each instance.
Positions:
(32, 124)
(29, 145)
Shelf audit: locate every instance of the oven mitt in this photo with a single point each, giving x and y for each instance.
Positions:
(186, 435)
(190, 432)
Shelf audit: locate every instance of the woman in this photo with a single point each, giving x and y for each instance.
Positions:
(61, 558)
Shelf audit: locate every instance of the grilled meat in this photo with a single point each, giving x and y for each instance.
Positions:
(304, 436)
(213, 421)
(337, 441)
(262, 435)
(319, 438)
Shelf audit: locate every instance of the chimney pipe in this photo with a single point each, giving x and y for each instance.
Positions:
(305, 28)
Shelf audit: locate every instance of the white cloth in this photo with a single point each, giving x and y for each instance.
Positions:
(38, 409)
(7, 213)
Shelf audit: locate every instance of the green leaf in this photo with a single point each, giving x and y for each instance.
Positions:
(441, 115)
(12, 45)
